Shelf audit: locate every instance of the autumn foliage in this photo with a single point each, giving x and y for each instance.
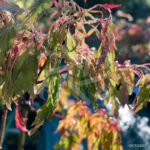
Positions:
(57, 56)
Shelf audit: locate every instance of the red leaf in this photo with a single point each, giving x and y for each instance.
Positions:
(19, 120)
(53, 14)
(101, 111)
(109, 6)
(19, 125)
(42, 60)
(58, 116)
(15, 52)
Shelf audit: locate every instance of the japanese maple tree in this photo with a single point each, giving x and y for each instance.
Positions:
(56, 55)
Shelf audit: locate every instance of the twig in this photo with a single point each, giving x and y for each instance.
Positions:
(3, 124)
(62, 71)
(60, 7)
(39, 82)
(41, 69)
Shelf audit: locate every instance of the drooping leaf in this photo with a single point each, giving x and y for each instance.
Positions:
(109, 6)
(38, 8)
(143, 95)
(70, 42)
(7, 34)
(27, 73)
(46, 111)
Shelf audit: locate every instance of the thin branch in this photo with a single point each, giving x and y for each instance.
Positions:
(41, 69)
(60, 7)
(3, 124)
(39, 82)
(62, 71)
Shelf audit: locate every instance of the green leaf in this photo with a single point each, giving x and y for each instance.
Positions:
(70, 42)
(46, 111)
(64, 142)
(113, 82)
(92, 96)
(143, 95)
(27, 73)
(42, 113)
(7, 34)
(99, 51)
(123, 94)
(56, 38)
(91, 31)
(83, 79)
(115, 106)
(111, 96)
(8, 89)
(53, 85)
(37, 8)
(19, 63)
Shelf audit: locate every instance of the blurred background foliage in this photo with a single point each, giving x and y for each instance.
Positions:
(134, 44)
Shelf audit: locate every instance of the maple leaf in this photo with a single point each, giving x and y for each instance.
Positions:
(42, 60)
(19, 120)
(109, 6)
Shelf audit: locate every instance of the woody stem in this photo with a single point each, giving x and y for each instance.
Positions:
(3, 124)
